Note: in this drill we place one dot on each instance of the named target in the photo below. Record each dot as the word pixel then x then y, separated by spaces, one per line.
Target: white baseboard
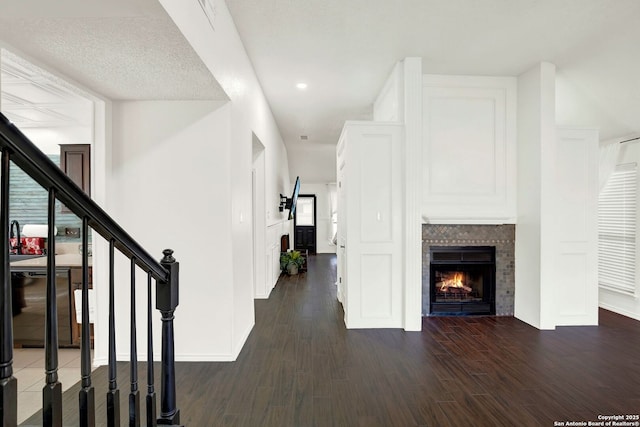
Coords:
pixel 618 310
pixel 185 357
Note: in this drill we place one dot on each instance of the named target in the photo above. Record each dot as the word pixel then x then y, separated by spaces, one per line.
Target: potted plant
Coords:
pixel 291 262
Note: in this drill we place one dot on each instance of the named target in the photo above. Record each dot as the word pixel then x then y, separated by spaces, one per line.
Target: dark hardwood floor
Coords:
pixel 301 367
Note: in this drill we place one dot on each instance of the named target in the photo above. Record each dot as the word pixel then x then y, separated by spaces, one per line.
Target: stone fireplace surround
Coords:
pixel 500 236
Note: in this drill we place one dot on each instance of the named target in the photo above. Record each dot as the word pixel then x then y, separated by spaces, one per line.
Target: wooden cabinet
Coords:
pixel 370 282
pixel 75 161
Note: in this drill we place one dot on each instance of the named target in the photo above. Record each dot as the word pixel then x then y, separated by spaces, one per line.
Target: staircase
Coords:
pixel 17 148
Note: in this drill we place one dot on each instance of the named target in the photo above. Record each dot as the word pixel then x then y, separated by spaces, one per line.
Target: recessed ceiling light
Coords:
pixel 301 86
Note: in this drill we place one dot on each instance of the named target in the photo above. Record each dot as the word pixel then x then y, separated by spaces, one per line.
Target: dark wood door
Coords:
pixel 305 223
pixel 75 161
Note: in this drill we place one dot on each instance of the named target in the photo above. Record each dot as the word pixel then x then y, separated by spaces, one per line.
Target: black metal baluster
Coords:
pixel 151 393
pixel 17 149
pixel 166 302
pixel 113 395
pixel 8 383
pixel 134 396
pixel 86 395
pixel 52 391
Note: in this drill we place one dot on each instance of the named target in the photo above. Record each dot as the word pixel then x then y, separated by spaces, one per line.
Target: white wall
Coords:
pixel 469 150
pixel 388 106
pixel 536 138
pixel 223 53
pixel 170 188
pixel 555 257
pixel 308 162
pixel 614 301
pixel 230 130
pixel 527 276
pixel 323 215
pixel 259 219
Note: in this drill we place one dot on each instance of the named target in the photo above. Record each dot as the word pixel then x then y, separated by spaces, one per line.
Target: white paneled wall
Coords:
pixel 576 260
pixel 488 154
pixel 556 232
pixel 370 215
pixel 400 100
pixel 274 233
pixel 469 148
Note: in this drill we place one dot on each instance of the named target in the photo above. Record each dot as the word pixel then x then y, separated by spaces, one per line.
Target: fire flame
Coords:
pixel 454 281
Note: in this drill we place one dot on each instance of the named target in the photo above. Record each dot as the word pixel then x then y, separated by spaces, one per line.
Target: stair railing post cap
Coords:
pixel 168 256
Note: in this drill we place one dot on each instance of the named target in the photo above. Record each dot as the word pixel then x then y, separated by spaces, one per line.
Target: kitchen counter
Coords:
pixel 28 278
pixel 62 261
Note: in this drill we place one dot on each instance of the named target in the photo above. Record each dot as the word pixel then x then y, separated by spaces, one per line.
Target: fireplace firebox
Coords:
pixel 462 280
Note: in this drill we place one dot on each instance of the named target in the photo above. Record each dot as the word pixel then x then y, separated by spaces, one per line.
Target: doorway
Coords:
pixel 304 223
pixel 51 112
pixel 261 287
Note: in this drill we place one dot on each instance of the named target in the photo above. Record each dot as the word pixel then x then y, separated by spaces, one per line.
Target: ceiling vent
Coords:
pixel 304 137
pixel 209 11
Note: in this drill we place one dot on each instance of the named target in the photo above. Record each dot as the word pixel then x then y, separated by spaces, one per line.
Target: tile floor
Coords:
pixel 28 368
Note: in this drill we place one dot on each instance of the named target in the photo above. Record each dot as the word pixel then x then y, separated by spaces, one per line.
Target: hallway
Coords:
pixel 301 367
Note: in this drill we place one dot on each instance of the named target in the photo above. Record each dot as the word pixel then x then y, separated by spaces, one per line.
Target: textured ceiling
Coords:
pixel 33 98
pixel 124 50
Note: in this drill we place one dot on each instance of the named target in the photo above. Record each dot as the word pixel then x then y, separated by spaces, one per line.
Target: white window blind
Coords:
pixel 617 208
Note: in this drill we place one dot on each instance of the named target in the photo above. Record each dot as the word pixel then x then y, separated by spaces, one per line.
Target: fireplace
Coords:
pixel 462 280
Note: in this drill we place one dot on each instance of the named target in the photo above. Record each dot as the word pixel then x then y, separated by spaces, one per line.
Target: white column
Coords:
pixel 412 71
pixel 534 298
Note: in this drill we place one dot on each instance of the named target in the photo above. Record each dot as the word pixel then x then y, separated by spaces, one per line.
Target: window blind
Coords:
pixel 617 211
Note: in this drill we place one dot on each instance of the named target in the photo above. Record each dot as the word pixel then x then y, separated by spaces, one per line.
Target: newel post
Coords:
pixel 166 302
pixel 8 383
